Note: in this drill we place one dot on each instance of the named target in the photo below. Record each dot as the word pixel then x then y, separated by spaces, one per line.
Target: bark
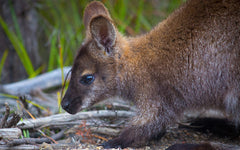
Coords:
pixel 43 81
pixel 10 133
pixel 66 118
pixel 37 146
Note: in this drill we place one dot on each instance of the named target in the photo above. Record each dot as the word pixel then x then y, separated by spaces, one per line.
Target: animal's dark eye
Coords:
pixel 87 79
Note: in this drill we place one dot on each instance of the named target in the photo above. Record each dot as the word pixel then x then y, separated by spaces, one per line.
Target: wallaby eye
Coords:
pixel 87 79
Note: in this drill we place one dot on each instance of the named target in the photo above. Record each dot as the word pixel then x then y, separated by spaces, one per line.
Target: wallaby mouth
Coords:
pixel 71 105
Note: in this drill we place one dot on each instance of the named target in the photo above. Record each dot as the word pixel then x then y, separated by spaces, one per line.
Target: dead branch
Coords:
pixel 14 119
pixel 10 133
pixel 44 81
pixel 15 142
pixel 66 118
pixel 5 117
pixel 105 131
pixel 11 102
pixel 109 130
pixel 58 146
pixel 37 147
pixel 23 101
pixel 21 147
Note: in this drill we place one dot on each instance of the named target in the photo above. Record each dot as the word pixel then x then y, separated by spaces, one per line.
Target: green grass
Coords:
pixel 63 28
pixel 63 25
pixel 19 48
pixel 26 133
pixel 3 59
pixel 28 101
pixel 15 22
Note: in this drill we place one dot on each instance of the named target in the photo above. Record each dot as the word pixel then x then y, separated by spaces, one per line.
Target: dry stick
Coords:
pixel 105 131
pixel 15 142
pixel 24 102
pixel 43 81
pixel 99 137
pixel 10 133
pixel 5 117
pixel 64 83
pixel 43 134
pixel 13 121
pixel 37 147
pixel 66 118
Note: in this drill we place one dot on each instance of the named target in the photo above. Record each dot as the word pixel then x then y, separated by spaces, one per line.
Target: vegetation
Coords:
pixel 63 30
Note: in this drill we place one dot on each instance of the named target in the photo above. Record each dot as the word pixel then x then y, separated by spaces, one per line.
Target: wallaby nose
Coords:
pixel 65 105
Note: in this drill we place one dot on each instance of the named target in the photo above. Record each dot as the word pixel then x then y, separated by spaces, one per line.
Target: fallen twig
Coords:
pixel 105 131
pixel 99 137
pixel 15 142
pixel 43 134
pixel 66 118
pixel 23 101
pixel 10 133
pixel 11 102
pixel 5 117
pixel 37 147
pixel 14 119
pixel 43 81
pixel 20 147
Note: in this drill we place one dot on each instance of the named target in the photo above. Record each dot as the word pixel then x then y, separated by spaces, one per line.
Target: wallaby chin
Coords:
pixel 73 112
pixel 190 61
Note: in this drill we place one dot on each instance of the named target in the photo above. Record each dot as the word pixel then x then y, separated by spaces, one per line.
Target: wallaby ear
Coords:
pixel 99 26
pixel 93 10
pixel 103 32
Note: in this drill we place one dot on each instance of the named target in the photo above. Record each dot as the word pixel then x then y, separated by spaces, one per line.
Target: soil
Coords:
pixel 176 134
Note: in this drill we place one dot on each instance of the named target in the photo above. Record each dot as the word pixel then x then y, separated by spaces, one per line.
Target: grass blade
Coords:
pixel 59 102
pixel 4 57
pixel 139 14
pixel 15 22
pixel 53 51
pixel 19 48
pixel 28 101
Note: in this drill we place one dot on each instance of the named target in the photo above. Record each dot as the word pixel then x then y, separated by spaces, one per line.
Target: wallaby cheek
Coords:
pixel 92 96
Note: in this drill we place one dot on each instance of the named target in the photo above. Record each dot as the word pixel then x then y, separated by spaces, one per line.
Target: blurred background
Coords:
pixel 37 36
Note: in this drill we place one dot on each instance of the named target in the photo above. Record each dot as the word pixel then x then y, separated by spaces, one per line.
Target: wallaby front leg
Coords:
pixel 149 124
pixel 135 136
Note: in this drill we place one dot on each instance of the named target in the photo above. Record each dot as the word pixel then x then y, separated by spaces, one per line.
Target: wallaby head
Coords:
pixel 94 69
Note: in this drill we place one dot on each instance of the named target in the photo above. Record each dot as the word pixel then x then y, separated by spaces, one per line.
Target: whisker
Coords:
pixel 63 87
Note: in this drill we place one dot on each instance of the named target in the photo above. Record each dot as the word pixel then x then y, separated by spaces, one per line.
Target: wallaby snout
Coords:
pixel 71 105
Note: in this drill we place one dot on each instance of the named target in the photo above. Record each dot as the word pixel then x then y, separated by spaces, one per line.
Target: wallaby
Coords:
pixel 191 60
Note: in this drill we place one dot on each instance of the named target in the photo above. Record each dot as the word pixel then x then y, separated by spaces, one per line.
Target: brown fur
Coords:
pixel 188 61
